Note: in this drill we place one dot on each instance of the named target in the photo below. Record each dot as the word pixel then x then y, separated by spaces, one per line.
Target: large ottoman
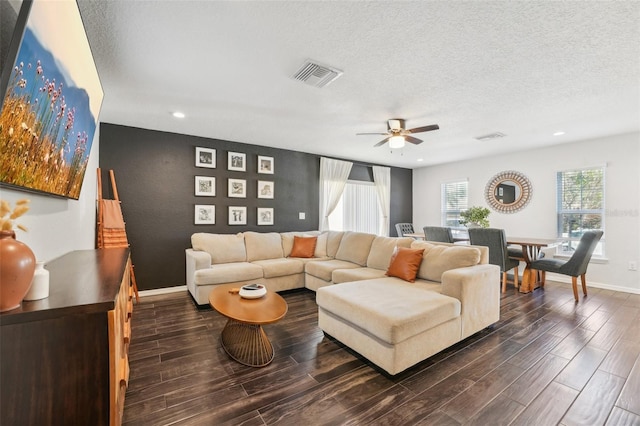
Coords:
pixel 393 323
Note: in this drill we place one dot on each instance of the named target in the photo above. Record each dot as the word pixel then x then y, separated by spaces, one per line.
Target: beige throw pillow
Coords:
pixel 263 245
pixel 437 259
pixel 382 249
pixel 223 248
pixel 355 247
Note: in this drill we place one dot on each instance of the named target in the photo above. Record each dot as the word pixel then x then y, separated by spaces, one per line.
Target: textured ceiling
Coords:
pixel 526 69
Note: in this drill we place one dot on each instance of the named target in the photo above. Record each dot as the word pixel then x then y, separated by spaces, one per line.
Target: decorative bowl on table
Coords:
pixel 252 291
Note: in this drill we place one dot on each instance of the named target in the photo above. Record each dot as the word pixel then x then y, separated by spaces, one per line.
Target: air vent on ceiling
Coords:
pixel 315 74
pixel 496 135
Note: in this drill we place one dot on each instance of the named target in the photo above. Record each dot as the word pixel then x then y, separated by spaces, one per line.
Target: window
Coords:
pixel 454 200
pixel 358 209
pixel 580 207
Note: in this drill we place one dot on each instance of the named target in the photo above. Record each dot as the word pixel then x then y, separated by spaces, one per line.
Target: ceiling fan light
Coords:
pixel 396 142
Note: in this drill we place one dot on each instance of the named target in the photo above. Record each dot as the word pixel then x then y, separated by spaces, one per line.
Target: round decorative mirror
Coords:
pixel 508 192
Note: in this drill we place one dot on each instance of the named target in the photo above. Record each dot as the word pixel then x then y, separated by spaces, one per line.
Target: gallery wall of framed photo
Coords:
pixel 161 180
pixel 236 188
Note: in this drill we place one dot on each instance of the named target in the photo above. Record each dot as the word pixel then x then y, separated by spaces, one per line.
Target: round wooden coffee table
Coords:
pixel 243 337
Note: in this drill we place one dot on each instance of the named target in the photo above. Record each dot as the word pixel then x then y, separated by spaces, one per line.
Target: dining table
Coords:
pixel 531 248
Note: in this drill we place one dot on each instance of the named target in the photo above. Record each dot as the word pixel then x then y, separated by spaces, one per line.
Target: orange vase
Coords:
pixel 17 264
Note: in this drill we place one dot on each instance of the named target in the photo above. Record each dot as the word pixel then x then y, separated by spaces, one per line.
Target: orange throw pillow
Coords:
pixel 303 246
pixel 405 263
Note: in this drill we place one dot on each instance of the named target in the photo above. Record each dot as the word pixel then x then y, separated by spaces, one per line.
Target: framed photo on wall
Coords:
pixel 237 188
pixel 265 189
pixel 265 164
pixel 237 215
pixel 205 186
pixel 205 214
pixel 265 216
pixel 205 157
pixel 237 161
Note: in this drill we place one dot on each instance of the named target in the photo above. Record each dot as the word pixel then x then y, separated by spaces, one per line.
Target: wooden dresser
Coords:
pixel 63 359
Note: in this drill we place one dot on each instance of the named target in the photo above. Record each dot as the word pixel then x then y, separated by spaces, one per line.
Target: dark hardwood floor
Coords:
pixel 547 361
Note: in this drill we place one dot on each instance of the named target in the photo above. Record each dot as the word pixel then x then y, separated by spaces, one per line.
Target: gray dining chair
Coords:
pixel 496 240
pixel 577 264
pixel 438 233
pixel 404 228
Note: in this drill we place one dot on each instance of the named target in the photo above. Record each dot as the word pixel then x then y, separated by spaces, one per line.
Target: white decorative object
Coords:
pixel 252 291
pixel 40 284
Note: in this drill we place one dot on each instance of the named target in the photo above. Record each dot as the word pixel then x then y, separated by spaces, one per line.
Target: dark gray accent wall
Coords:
pixel 155 176
pixel 401 198
pixel 8 18
pixel 8 22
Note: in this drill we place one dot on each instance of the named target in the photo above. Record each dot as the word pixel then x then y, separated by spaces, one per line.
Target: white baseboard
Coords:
pixel 165 290
pixel 567 279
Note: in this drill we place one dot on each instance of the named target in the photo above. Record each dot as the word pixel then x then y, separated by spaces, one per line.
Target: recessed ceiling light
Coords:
pixel 558 134
pixel 178 114
pixel 420 159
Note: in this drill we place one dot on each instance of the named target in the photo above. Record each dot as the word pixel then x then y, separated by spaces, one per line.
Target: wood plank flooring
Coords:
pixel 548 361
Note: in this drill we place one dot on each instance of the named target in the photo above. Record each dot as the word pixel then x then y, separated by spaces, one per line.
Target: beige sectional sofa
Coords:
pixel 391 322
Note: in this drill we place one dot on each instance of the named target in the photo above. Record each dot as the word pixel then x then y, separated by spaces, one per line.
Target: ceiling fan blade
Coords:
pixel 383 134
pixel 412 140
pixel 423 129
pixel 382 142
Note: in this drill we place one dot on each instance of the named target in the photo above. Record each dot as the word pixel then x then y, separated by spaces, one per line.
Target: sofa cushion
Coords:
pixel 333 242
pixel 405 263
pixel 304 246
pixel 263 245
pixel 388 308
pixel 324 268
pixel 280 267
pixel 321 245
pixel 355 247
pixel 228 273
pixel 382 249
pixel 357 274
pixel 437 259
pixel 223 248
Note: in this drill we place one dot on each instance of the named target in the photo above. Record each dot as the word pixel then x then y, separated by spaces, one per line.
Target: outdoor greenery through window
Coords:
pixel 454 200
pixel 358 209
pixel 580 207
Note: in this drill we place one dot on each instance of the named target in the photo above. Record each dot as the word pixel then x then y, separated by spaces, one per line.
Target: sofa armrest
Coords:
pixel 478 290
pixel 196 259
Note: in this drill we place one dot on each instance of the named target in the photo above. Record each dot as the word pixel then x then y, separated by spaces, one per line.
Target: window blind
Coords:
pixel 580 205
pixel 453 201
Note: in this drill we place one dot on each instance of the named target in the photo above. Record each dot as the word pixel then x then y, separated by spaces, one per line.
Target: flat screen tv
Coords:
pixel 50 101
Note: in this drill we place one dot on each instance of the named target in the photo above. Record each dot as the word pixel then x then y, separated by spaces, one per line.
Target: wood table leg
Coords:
pixel 528 280
pixel 529 276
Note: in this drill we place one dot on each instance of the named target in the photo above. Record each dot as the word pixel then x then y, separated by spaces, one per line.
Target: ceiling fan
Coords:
pixel 397 135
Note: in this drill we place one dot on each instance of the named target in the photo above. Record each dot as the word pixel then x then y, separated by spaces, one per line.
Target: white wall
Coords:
pixel 58 225
pixel 620 153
